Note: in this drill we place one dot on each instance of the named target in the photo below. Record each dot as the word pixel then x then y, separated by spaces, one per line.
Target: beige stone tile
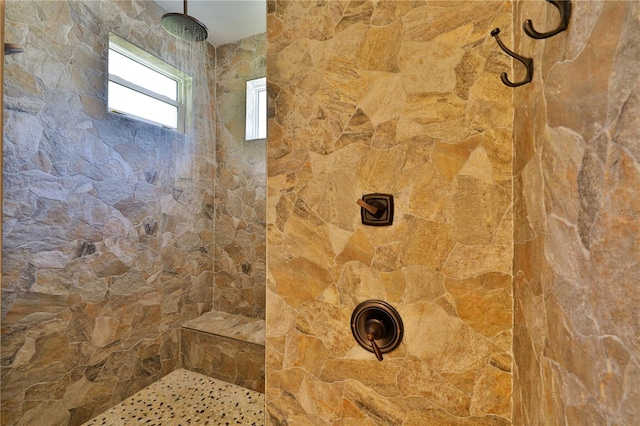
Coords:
pixel 228 325
pixel 378 122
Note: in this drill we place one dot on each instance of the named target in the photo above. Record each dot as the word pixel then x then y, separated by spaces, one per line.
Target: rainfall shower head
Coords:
pixel 184 26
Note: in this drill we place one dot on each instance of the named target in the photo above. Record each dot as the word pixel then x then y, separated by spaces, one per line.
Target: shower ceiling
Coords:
pixel 227 20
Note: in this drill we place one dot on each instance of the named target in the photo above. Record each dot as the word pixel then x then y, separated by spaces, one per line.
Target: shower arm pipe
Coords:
pixel 527 62
pixel 11 48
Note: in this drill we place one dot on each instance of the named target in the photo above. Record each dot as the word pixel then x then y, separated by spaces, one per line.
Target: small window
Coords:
pixel 145 88
pixel 256 124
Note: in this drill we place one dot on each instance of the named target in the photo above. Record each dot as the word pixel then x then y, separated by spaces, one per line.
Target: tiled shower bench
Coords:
pixel 226 347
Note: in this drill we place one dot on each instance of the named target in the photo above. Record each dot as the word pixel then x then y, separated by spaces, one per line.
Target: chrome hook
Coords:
pixel 527 62
pixel 564 6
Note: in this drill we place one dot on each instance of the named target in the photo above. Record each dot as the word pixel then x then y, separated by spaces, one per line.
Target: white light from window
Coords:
pixel 140 105
pixel 140 75
pixel 256 120
pixel 144 87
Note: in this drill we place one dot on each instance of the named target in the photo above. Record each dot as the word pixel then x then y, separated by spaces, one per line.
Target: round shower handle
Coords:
pixel 377 327
pixel 375 330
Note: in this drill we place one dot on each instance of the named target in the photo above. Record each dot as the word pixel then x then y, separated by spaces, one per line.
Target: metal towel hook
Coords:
pixel 564 6
pixel 527 62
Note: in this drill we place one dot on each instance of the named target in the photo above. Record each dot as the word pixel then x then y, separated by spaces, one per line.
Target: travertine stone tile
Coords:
pixel 483 302
pixel 108 243
pixel 402 98
pixel 235 327
pixel 240 185
pixel 223 358
pixel 577 220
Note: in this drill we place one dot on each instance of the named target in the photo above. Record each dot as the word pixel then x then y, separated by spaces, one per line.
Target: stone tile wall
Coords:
pixel 402 98
pixel 108 223
pixel 240 242
pixel 577 218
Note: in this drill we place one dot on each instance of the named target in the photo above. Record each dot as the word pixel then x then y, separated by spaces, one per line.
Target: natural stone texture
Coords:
pixel 436 60
pixel 589 119
pixel 450 158
pixel 369 99
pixel 307 236
pixel 429 192
pixel 438 345
pixel 324 320
pixel 333 190
pixel 417 378
pixel 239 204
pixel 356 12
pixel 230 359
pixel 490 203
pixel 561 163
pixel 372 170
pixel 486 106
pixel 467 261
pixel 360 370
pixel 576 222
pixel 236 327
pixel 105 331
pixel 483 302
pixel 422 237
pixel 299 280
pixel 497 145
pixel 497 388
pixel 106 230
pixel 359 282
pixel 303 350
pixel 420 284
pixel 359 129
pixel 358 248
pixel 377 408
pixel 377 51
pixel 387 87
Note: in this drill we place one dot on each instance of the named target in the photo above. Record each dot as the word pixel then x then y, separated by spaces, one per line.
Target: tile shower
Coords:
pixel 405 98
pixel 397 97
pixel 109 244
pixel 401 98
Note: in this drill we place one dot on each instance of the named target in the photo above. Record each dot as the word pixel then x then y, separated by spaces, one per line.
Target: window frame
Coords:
pixel 183 101
pixel 252 120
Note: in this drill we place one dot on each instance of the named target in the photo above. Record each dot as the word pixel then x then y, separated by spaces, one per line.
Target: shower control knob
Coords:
pixel 377 327
pixel 375 330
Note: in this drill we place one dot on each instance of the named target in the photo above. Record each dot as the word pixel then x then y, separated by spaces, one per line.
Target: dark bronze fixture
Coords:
pixel 375 330
pixel 377 327
pixel 11 48
pixel 376 209
pixel 527 62
pixel 564 6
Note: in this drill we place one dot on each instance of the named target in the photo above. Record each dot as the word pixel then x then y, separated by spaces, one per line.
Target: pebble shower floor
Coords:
pixel 186 398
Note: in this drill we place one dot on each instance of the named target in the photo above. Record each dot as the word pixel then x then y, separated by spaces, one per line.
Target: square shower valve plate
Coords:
pixel 384 217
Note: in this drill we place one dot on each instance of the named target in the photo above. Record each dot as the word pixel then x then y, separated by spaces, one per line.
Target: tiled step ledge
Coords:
pixel 228 325
pixel 226 347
